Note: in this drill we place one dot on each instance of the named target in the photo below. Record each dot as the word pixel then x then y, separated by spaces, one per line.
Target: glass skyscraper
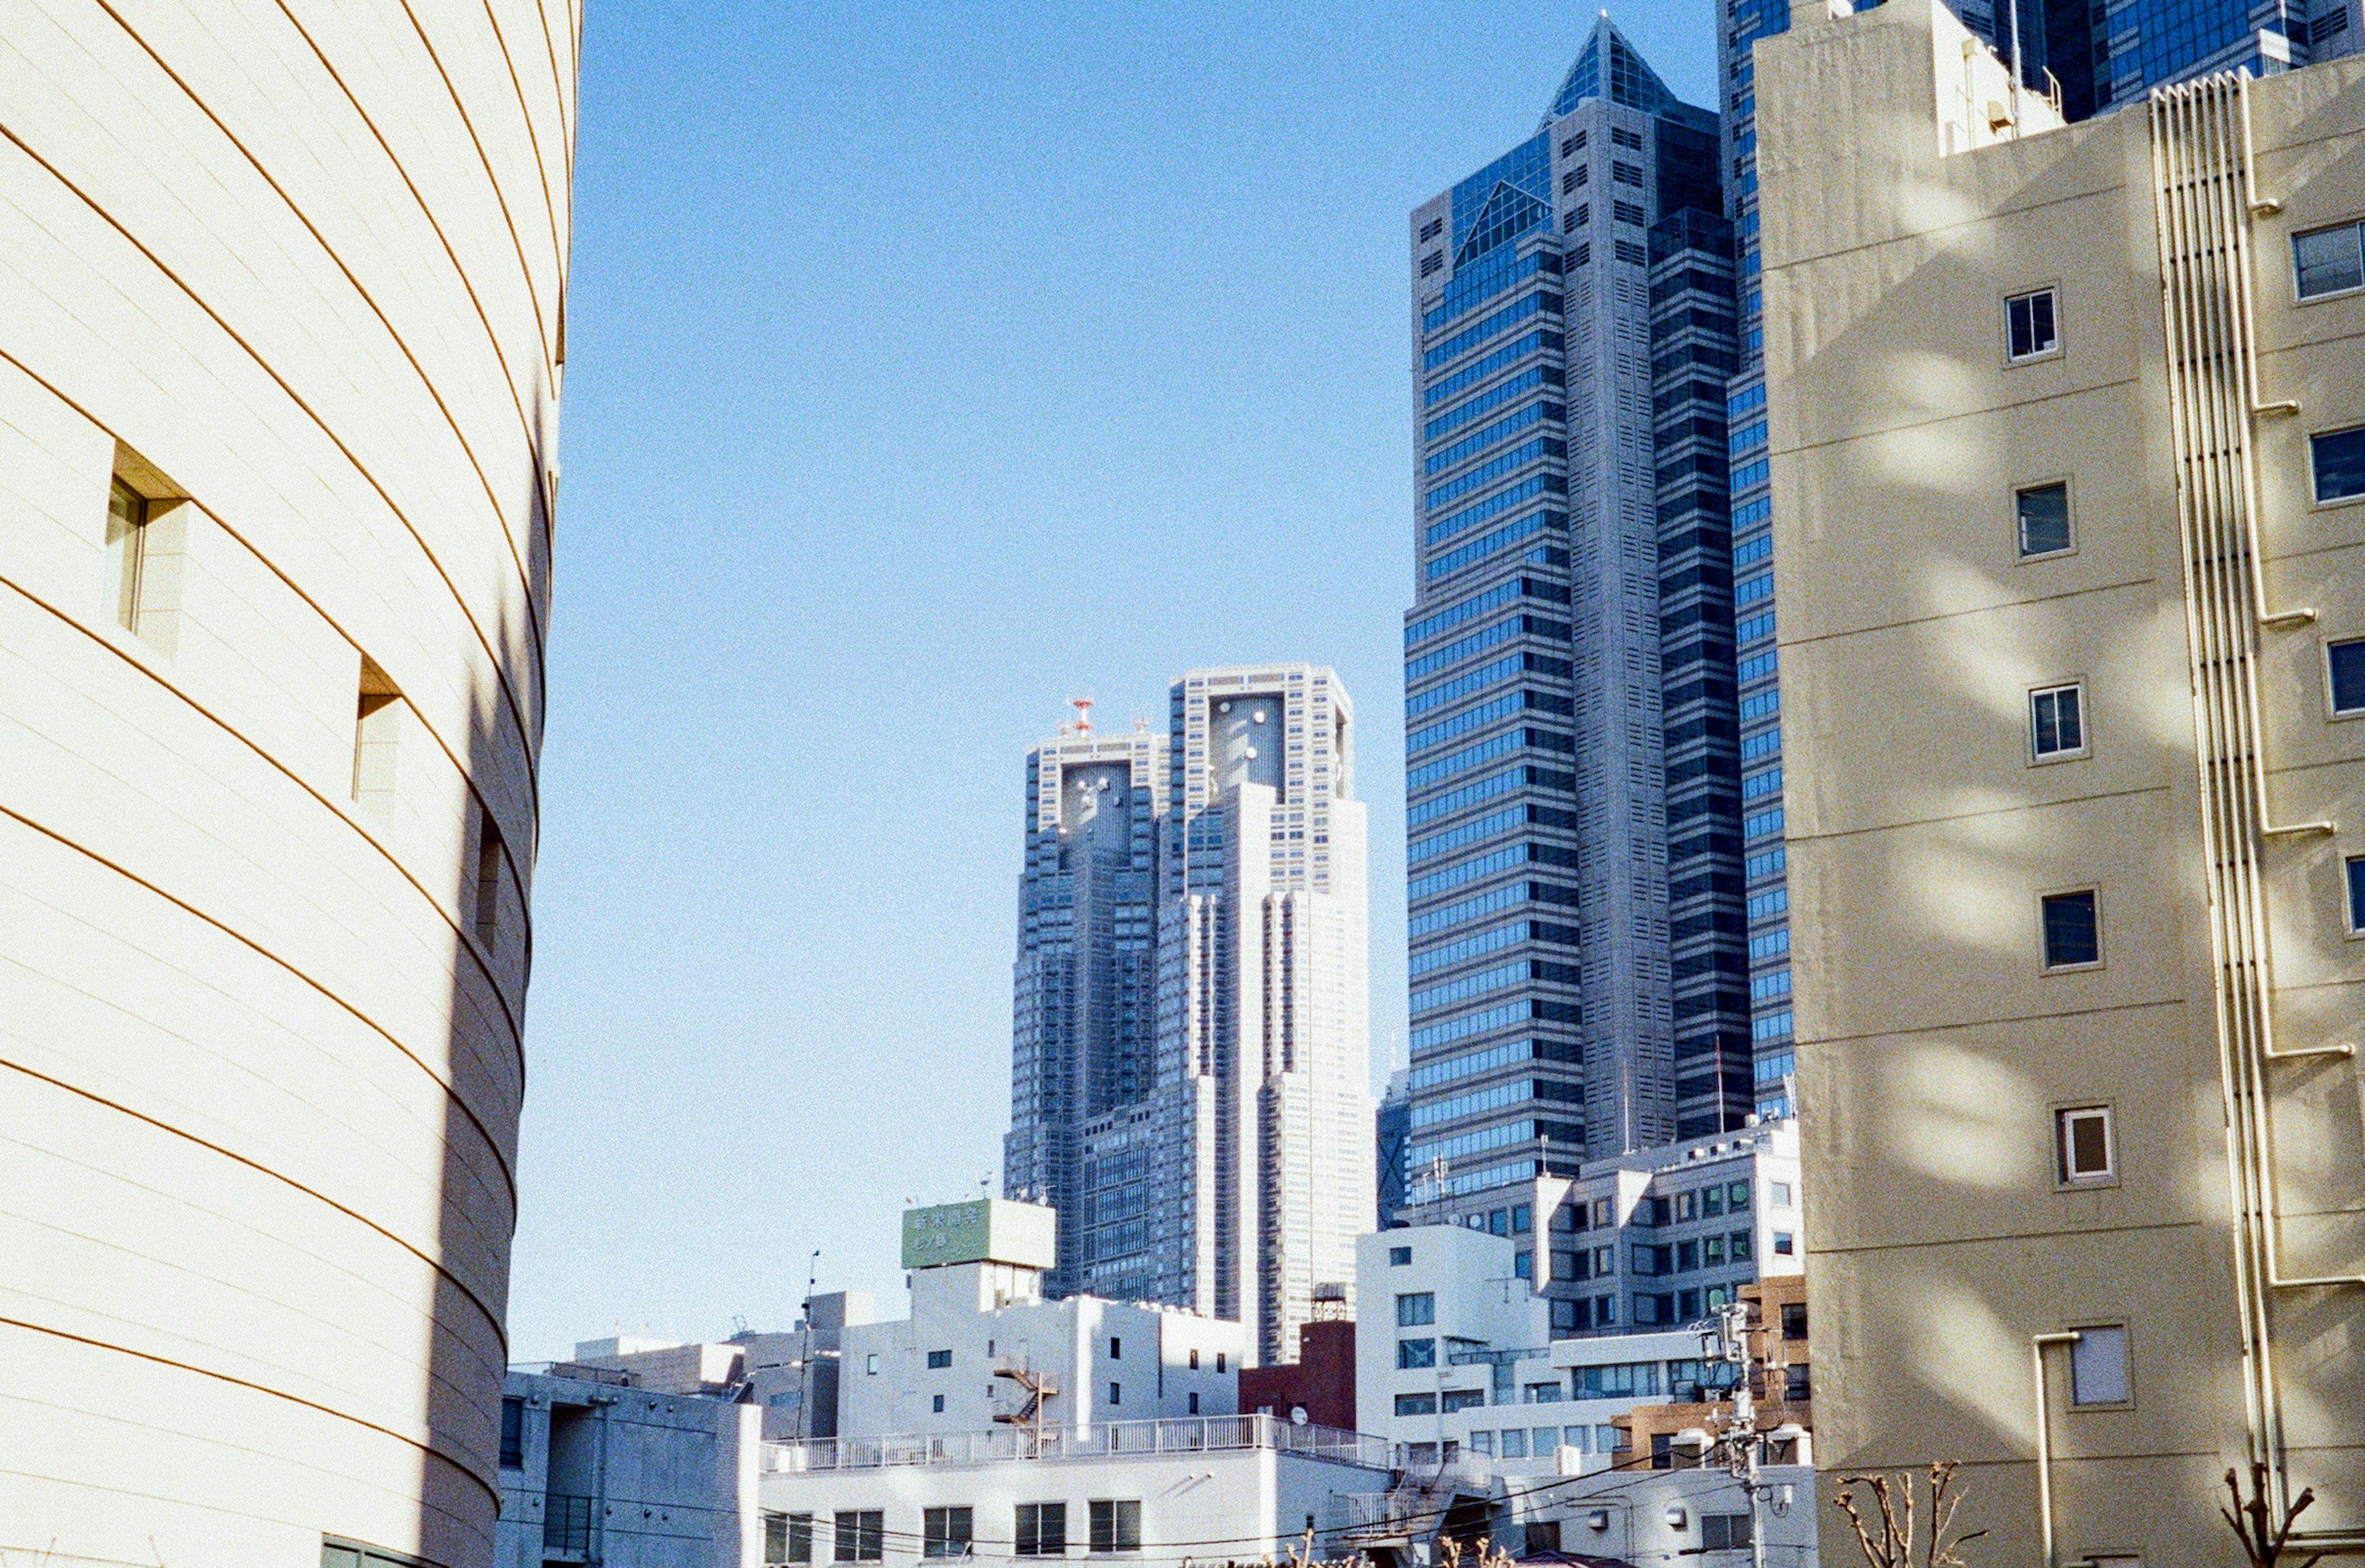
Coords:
pixel 1572 785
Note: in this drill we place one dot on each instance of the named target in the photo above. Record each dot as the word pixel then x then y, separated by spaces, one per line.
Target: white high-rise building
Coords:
pixel 1214 913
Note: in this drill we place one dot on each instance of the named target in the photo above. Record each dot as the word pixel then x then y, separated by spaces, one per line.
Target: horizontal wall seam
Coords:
pixel 1881 1035
pixel 2157 1227
pixel 526 734
pixel 1911 823
pixel 534 617
pixel 427 1448
pixel 451 1091
pixel 467 774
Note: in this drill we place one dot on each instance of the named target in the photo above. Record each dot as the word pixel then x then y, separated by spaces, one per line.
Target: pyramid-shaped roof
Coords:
pixel 1609 64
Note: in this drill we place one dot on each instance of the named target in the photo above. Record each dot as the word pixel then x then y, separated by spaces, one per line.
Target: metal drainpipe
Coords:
pixel 2043 1445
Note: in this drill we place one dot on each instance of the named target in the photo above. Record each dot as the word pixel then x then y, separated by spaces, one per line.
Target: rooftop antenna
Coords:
pixel 1083 707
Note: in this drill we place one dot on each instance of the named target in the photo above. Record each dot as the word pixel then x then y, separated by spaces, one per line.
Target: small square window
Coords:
pixel 1515 1442
pixel 2337 461
pixel 1042 1530
pixel 1780 1191
pixel 2356 893
pixel 945 1532
pixel 2346 662
pixel 2097 1367
pixel 1415 1308
pixel 938 1359
pixel 2056 722
pixel 2043 512
pixel 2083 1151
pixel 2030 331
pixel 2329 261
pixel 1412 1354
pixel 2073 935
pixel 1116 1526
pixel 1399 1256
pixel 1785 1245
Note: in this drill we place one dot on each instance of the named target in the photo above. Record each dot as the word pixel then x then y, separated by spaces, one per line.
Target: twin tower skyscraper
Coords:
pixel 1191 1045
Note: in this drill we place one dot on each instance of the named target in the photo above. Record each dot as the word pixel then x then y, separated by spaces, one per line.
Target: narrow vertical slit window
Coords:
pixel 377 715
pixel 127 550
pixel 489 880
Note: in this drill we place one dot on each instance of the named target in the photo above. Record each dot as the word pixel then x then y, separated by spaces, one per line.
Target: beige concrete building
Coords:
pixel 280 329
pixel 2071 483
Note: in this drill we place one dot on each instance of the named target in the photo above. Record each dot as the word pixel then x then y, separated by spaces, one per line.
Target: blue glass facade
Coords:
pixel 1568 557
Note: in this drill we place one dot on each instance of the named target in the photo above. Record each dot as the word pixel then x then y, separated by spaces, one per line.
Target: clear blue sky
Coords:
pixel 930 366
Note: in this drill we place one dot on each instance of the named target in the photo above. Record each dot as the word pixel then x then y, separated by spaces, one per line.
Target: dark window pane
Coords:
pixel 2347 661
pixel 2357 894
pixel 2089 1145
pixel 2044 519
pixel 2070 933
pixel 2329 261
pixel 2340 462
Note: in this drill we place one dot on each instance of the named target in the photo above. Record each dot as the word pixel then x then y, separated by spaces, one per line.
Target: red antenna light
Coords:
pixel 1083 707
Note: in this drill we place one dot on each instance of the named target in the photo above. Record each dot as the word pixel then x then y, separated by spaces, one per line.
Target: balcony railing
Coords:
pixel 565 1523
pixel 1114 1439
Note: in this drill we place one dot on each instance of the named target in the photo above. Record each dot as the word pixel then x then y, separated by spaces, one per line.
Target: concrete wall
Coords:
pixel 657 1480
pixel 294 274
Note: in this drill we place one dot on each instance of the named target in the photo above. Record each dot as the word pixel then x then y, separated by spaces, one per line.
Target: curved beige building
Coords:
pixel 280 329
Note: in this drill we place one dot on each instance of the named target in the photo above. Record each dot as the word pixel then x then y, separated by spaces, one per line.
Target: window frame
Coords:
pixel 1105 1525
pixel 2127 1369
pixel 1416 1309
pixel 2315 494
pixel 1030 1539
pixel 2043 954
pixel 937 1530
pixel 2356 227
pixel 2352 893
pixel 2333 710
pixel 2085 746
pixel 2037 355
pixel 2021 554
pixel 865 1542
pixel 2063 1179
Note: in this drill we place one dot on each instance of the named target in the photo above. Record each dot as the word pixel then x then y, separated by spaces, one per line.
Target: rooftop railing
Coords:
pixel 1113 1440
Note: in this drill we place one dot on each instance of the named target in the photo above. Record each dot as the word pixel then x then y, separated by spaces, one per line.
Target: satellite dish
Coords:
pixel 1297 1415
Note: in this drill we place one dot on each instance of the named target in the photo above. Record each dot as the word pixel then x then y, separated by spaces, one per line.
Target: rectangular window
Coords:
pixel 1397 1257
pixel 871 1364
pixel 2337 458
pixel 1726 1533
pixel 1431 263
pixel 800 1538
pixel 940 1359
pixel 2072 929
pixel 1413 1353
pixel 1117 1349
pixel 513 1433
pixel 1116 1394
pixel 2356 893
pixel 1415 1403
pixel 2097 1367
pixel 1463 1399
pixel 1794 1320
pixel 2329 260
pixel 1416 1309
pixel 938 1405
pixel 861 1535
pixel 2345 662
pixel 127 550
pixel 1742 1246
pixel 1042 1530
pixel 377 714
pixel 1523 1265
pixel 1515 1442
pixel 489 879
pixel 2030 331
pixel 1194 1403
pixel 1798 1384
pixel 1736 1196
pixel 2056 725
pixel 1780 1191
pixel 2083 1145
pixel 945 1532
pixel 1785 1245
pixel 1117 1525
pixel 2044 514
pixel 1219 1361
pixel 1194 1360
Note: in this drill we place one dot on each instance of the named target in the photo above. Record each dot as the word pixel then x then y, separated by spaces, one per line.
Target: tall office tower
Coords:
pixel 1558 577
pixel 2069 459
pixel 280 339
pixel 1082 1043
pixel 1191 1062
pixel 1264 1030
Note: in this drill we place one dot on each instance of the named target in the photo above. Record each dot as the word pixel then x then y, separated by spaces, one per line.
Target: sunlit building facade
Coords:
pixel 280 339
pixel 2069 467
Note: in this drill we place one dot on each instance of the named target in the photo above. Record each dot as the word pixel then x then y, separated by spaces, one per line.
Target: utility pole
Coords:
pixel 1743 1448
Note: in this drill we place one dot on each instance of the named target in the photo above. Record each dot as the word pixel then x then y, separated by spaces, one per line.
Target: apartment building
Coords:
pixel 2068 460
